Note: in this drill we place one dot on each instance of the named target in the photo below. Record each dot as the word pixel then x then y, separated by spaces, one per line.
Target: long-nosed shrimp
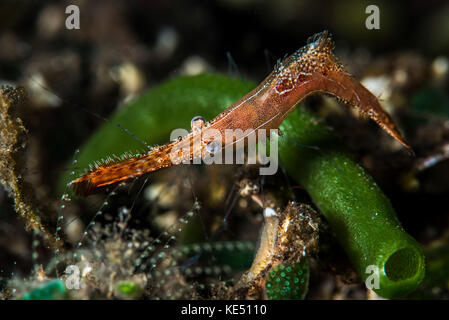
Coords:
pixel 311 69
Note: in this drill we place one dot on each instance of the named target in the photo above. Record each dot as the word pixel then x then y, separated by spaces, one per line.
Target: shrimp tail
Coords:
pixel 102 175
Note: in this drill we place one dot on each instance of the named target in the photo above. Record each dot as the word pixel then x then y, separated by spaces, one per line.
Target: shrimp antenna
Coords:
pixel 98 116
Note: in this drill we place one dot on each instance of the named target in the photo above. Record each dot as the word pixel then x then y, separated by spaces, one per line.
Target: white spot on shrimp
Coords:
pixel 213 147
pixel 269 212
pixel 197 123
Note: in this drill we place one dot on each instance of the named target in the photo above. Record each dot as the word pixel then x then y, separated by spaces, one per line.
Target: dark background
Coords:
pixel 163 39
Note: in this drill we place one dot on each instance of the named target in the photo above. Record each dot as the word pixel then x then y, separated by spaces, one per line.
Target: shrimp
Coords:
pixel 311 69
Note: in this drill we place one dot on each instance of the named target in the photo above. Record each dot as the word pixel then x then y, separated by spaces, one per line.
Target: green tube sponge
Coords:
pixel 360 214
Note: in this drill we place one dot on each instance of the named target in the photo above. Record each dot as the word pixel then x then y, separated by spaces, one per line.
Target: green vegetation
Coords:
pixel 289 282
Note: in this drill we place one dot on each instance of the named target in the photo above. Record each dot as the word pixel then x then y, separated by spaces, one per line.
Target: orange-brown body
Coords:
pixel 311 69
